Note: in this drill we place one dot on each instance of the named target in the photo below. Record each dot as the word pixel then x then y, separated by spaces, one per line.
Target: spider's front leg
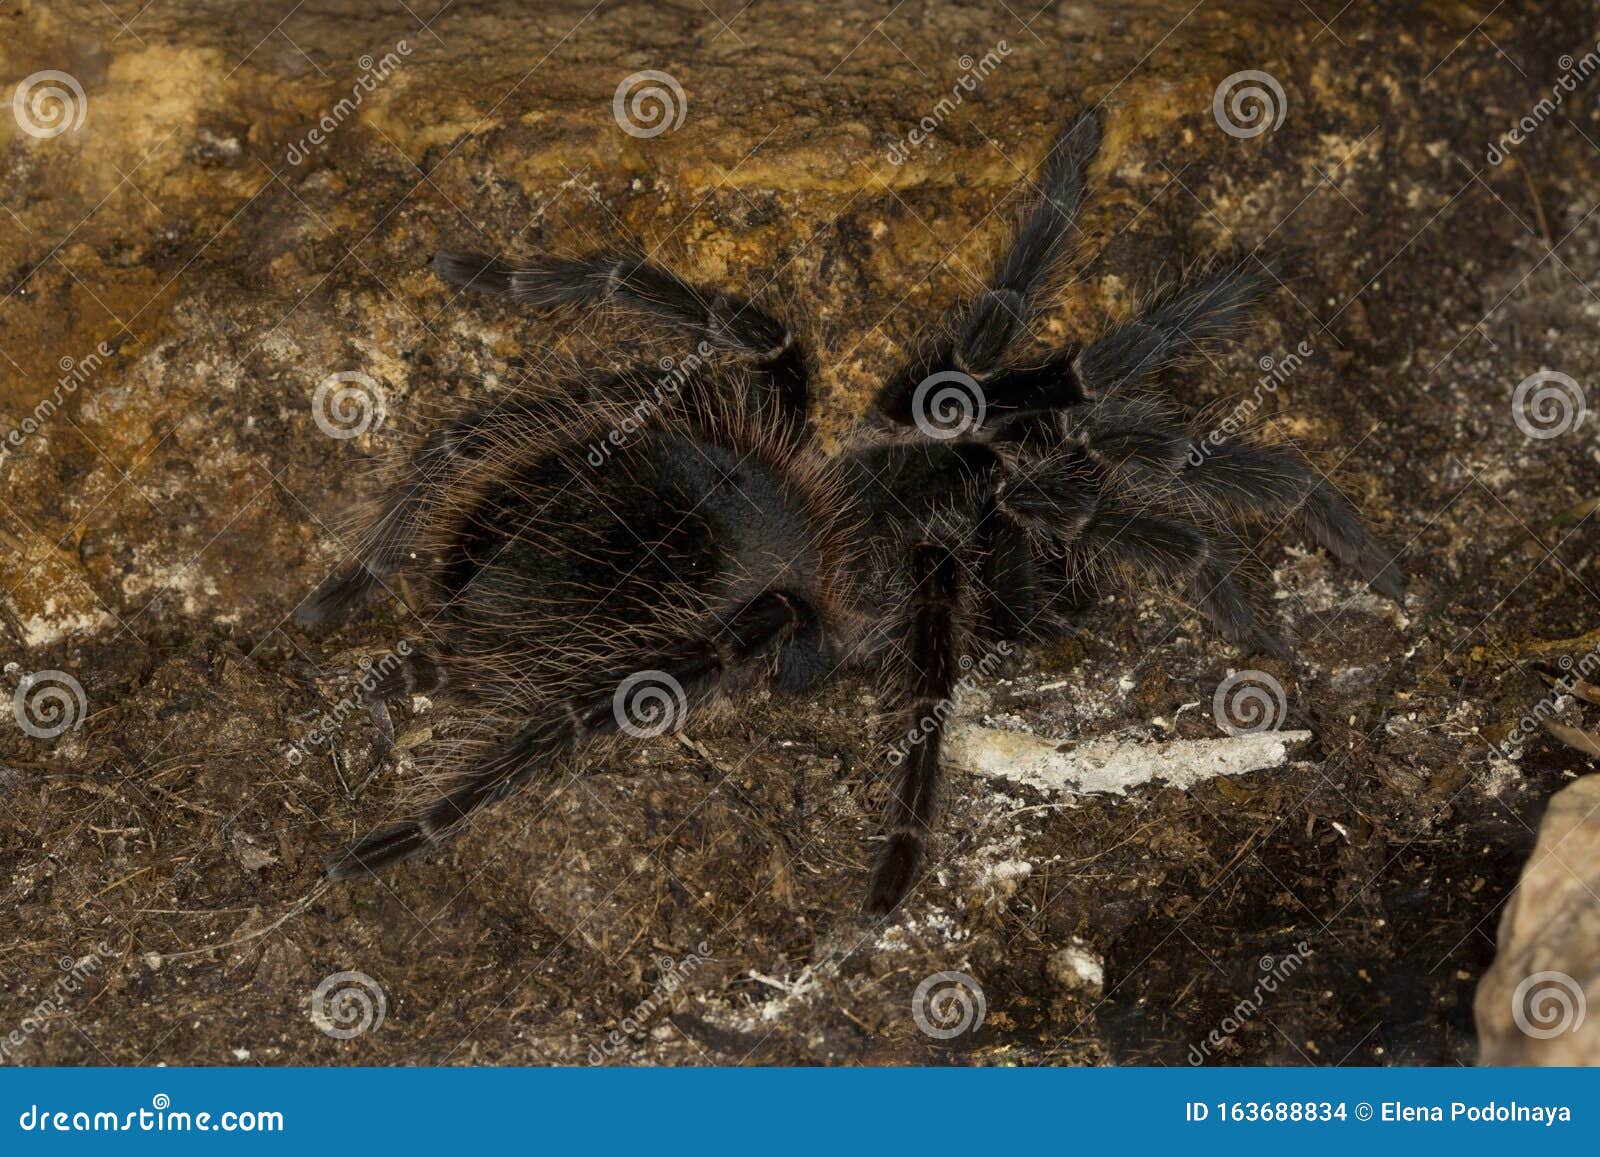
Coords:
pixel 1148 458
pixel 930 666
pixel 1235 478
pixel 1063 500
pixel 989 328
pixel 1195 563
pixel 975 368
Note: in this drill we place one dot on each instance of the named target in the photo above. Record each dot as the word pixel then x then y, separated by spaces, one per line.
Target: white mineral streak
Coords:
pixel 1110 765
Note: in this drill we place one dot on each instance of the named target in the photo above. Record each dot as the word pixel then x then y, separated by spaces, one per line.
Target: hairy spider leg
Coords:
pixel 728 323
pixel 996 320
pixel 931 640
pixel 699 668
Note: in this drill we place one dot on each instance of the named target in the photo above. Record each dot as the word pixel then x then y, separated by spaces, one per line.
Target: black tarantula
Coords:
pixel 598 562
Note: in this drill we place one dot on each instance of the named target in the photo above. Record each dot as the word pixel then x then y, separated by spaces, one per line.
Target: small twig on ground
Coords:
pixel 295 909
pixel 115 884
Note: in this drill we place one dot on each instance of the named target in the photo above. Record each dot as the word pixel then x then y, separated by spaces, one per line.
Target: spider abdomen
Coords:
pixel 540 556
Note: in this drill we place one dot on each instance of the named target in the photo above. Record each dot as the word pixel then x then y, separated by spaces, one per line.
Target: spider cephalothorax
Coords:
pixel 596 562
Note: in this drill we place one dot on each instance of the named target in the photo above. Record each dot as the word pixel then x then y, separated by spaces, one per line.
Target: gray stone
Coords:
pixel 1536 1004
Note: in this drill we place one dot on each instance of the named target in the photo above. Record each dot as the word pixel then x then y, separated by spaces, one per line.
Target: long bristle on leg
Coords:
pixel 698 669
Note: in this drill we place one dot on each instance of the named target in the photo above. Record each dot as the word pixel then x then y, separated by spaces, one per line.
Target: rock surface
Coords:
pixel 1540 1003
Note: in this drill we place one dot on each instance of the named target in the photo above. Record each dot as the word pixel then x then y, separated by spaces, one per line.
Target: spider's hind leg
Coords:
pixel 682 676
pixel 721 322
pixel 932 636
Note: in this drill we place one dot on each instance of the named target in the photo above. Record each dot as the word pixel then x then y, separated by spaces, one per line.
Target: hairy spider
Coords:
pixel 601 561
